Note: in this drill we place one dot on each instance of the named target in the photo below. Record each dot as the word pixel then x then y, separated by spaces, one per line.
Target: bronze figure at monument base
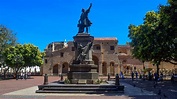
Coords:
pixel 83 69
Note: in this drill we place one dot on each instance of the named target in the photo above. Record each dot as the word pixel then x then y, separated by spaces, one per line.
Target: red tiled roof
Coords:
pixel 113 38
pixel 124 46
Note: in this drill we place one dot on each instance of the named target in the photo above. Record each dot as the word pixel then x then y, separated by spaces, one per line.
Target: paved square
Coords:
pixel 25 89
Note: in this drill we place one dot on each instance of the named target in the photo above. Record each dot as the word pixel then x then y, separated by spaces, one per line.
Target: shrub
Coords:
pixel 67 81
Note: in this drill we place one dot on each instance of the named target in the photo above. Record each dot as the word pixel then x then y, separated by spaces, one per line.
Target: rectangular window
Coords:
pixel 97 47
pixel 111 47
pixel 73 49
pixel 61 54
pixel 46 61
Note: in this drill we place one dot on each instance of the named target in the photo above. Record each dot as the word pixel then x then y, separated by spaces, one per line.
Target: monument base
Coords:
pixel 83 73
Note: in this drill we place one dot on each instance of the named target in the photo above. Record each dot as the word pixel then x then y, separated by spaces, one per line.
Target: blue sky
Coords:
pixel 41 22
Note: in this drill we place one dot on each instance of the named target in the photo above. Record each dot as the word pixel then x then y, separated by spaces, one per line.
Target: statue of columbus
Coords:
pixel 84 22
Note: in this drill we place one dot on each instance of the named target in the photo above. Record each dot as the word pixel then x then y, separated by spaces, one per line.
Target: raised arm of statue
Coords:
pixel 88 10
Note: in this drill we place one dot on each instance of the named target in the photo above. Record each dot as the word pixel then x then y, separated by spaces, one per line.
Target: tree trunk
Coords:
pixel 157 69
pixel 16 74
pixel 143 66
pixel 5 72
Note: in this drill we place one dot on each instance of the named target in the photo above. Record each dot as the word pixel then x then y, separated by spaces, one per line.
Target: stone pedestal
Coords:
pixel 83 70
pixel 83 39
pixel 83 73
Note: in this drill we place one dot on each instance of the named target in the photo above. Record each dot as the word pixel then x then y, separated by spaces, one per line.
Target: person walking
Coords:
pixel 132 74
pixel 136 75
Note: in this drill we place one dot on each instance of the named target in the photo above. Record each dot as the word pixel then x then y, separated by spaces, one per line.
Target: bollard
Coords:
pixel 61 77
pixel 117 80
pixel 45 79
pixel 108 77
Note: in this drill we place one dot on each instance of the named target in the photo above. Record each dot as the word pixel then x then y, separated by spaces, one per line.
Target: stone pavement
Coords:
pixel 163 89
pixel 25 89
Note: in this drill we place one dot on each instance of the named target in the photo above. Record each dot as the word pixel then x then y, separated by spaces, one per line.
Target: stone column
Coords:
pixel 53 46
pixel 116 69
pixel 90 55
pixel 60 68
pixel 108 69
pixel 100 68
pixel 51 70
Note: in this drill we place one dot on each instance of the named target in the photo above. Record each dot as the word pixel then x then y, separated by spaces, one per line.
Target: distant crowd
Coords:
pixel 149 76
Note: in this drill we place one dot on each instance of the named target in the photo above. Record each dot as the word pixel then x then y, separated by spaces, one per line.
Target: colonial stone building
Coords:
pixel 128 63
pixel 60 54
pixel 107 54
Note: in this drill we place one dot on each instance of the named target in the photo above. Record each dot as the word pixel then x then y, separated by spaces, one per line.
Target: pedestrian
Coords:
pixel 25 76
pixel 149 75
pixel 121 75
pixel 156 77
pixel 136 75
pixel 132 74
pixel 140 76
pixel 21 75
pixel 161 77
pixel 172 78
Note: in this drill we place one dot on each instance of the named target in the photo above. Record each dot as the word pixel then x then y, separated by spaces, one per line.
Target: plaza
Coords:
pixel 110 52
pixel 25 89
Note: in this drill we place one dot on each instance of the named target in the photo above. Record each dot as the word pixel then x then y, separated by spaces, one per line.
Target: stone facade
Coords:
pixel 60 54
pixel 107 54
pixel 129 64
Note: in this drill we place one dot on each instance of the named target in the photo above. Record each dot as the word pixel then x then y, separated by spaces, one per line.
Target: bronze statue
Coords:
pixel 84 22
pixel 83 51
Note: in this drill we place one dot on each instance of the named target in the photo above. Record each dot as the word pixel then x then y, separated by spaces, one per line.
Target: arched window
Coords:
pixel 97 47
pixel 57 47
pixel 50 46
pixel 111 63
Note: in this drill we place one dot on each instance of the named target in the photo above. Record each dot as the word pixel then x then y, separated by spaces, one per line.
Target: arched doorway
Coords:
pixel 65 67
pixel 96 61
pixel 55 69
pixel 112 71
pixel 104 68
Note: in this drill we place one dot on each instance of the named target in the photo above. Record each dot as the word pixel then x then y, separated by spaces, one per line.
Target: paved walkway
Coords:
pixel 163 89
pixel 25 89
pixel 129 91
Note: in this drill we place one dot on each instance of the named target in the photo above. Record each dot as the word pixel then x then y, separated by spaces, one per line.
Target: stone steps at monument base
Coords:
pixel 79 85
pixel 80 88
pixel 86 92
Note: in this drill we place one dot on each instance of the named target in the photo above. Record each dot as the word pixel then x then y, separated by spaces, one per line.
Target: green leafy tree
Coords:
pixel 14 57
pixel 146 39
pixel 168 23
pixel 7 38
pixel 156 35
pixel 20 56
pixel 32 55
